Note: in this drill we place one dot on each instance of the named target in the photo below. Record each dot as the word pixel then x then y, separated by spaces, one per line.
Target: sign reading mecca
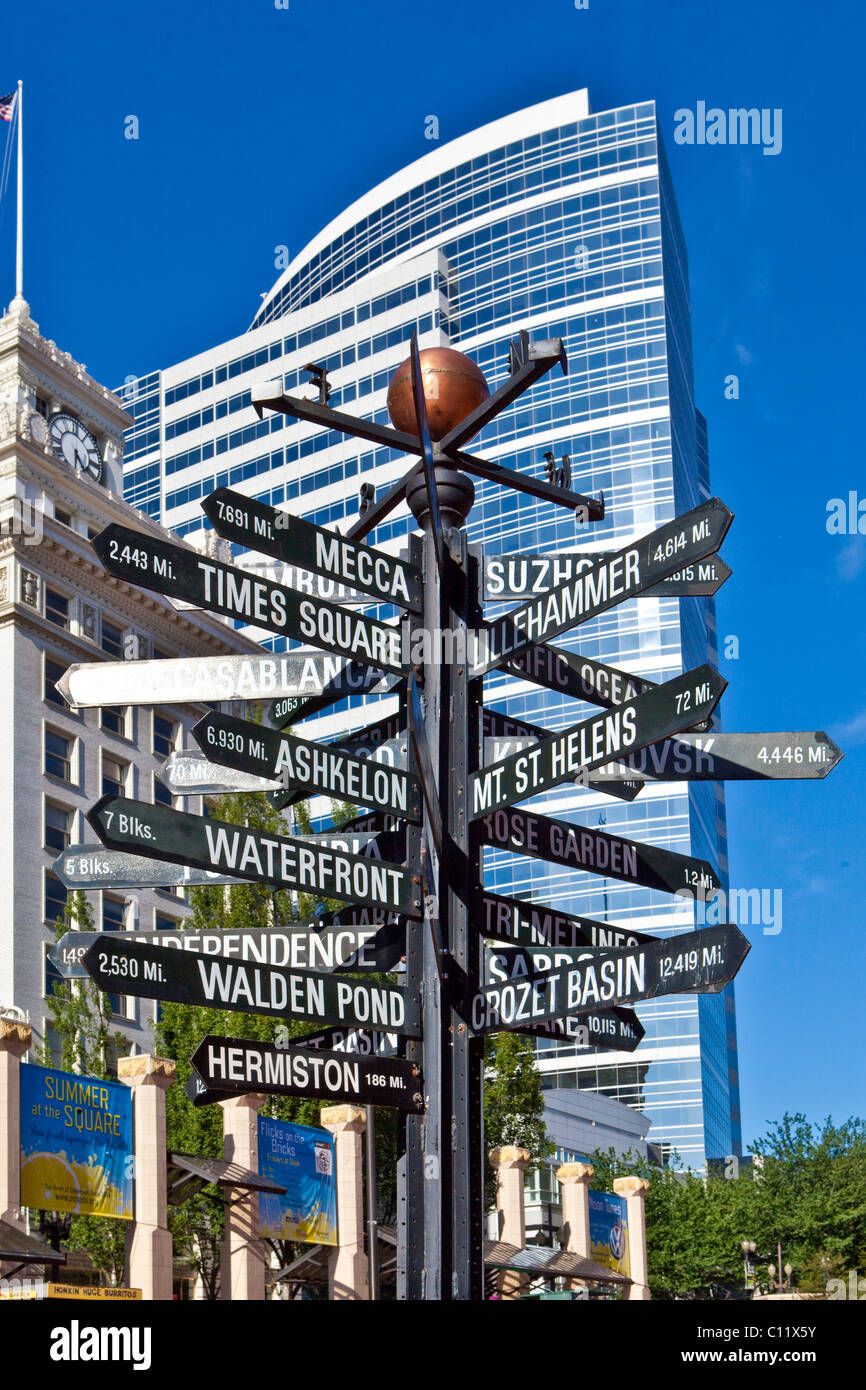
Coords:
pixel 76 1144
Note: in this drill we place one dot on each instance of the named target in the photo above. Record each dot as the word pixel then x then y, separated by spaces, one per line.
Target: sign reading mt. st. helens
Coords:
pixel 595 851
pixel 622 575
pixel 186 977
pixel 319 768
pixel 508 577
pixel 180 572
pixel 628 727
pixel 299 679
pixel 248 522
pixel 237 1065
pixel 282 860
pixel 526 985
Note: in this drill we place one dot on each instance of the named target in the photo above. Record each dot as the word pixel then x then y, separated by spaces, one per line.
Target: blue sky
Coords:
pixel 258 124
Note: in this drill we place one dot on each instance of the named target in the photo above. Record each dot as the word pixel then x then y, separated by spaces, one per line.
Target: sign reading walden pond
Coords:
pixel 301 1160
pixel 76 1144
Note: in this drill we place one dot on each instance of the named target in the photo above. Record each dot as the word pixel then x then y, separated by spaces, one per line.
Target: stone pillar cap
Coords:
pixel 575 1172
pixel 343 1117
pixel 14 1036
pixel 146 1064
pixel 509 1156
pixel 631 1187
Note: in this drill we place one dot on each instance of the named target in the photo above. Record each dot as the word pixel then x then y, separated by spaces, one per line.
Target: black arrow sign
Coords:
pixel 318 768
pixel 238 1065
pixel 533 924
pixel 181 573
pixel 623 575
pixel 731 757
pixel 281 860
pixel 610 1030
pixel 352 679
pixel 508 577
pixel 642 720
pixel 528 987
pixel 596 852
pixel 187 977
pixel 299 542
pixel 368 1042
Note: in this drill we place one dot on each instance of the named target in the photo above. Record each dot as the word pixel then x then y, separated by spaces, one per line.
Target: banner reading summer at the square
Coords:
pixel 76 1144
pixel 301 1159
pixel 608 1231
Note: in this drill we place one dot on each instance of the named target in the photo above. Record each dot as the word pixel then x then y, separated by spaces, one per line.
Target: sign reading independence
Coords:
pixel 237 1065
pixel 508 577
pixel 186 977
pixel 611 1030
pixel 181 573
pixel 316 947
pixel 294 677
pixel 623 575
pixel 561 842
pixel 299 542
pixel 731 758
pixel 281 860
pixel 643 720
pixel 703 960
pixel 318 768
pixel 532 924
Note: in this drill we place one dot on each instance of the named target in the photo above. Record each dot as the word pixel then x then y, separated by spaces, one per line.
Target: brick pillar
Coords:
pixel 151 1250
pixel 348 1271
pixel 14 1042
pixel 511 1163
pixel 635 1190
pixel 243 1263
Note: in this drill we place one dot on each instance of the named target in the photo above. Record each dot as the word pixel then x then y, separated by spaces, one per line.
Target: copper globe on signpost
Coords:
pixel 453 387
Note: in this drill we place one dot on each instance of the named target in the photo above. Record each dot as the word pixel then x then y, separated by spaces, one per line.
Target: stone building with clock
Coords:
pixel 61 441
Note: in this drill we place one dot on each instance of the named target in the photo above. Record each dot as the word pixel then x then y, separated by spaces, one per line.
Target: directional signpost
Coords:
pixel 431 791
pixel 237 1066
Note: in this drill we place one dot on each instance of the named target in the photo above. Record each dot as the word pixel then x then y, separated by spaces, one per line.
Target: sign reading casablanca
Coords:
pixel 76 1144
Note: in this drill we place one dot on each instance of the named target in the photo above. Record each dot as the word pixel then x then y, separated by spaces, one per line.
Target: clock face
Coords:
pixel 75 445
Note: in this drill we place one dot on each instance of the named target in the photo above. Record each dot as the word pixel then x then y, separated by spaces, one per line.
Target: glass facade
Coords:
pixel 571 231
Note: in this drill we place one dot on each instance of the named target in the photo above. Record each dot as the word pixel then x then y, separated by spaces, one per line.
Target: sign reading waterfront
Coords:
pixel 76 1143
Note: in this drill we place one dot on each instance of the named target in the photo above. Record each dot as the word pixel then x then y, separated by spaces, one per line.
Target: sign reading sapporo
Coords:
pixel 638 722
pixel 181 573
pixel 596 851
pixel 318 768
pixel 622 575
pixel 249 522
pixel 217 982
pixel 238 1065
pixel 281 860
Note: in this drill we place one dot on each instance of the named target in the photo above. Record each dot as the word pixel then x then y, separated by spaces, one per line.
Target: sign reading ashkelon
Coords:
pixel 318 768
pixel 281 860
pixel 181 573
pixel 297 541
pixel 187 977
pixel 623 575
pixel 236 1065
pixel 585 746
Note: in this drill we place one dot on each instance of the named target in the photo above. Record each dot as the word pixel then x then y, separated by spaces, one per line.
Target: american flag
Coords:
pixel 7 105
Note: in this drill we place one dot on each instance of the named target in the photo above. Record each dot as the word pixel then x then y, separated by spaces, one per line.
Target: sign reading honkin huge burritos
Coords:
pixel 181 573
pixel 622 575
pixel 186 977
pixel 318 768
pixel 631 726
pixel 597 852
pixel 297 541
pixel 281 860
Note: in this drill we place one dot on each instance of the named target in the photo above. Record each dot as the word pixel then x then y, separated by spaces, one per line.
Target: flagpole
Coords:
pixel 19 239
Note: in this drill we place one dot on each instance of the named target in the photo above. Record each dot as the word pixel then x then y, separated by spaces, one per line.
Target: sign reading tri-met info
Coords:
pixel 76 1144
pixel 608 1231
pixel 300 1159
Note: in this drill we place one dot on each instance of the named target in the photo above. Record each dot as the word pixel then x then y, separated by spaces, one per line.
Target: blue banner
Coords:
pixel 76 1144
pixel 301 1159
pixel 608 1231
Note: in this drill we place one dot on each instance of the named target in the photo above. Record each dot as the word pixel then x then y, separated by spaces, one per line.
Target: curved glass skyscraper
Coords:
pixel 563 223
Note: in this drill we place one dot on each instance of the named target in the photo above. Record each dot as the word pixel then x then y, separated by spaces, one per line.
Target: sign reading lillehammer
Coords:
pixel 434 785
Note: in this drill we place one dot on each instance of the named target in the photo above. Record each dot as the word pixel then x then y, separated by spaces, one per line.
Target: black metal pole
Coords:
pixel 372 1221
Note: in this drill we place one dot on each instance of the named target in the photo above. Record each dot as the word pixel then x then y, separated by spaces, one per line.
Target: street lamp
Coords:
pixel 748 1248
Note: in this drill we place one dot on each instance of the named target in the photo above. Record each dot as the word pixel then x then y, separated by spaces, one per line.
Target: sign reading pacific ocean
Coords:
pixel 76 1144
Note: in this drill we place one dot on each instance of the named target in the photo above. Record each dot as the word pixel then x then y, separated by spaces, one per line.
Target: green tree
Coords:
pixel 513 1101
